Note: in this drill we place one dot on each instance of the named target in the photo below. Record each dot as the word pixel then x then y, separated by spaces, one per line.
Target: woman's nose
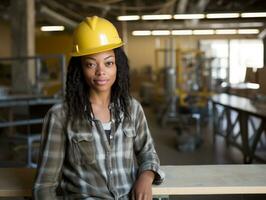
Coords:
pixel 100 69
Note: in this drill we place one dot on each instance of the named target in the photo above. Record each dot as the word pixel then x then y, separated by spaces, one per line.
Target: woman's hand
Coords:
pixel 142 188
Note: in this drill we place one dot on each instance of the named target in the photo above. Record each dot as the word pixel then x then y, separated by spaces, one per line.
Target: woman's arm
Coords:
pixel 52 153
pixel 147 158
pixel 142 189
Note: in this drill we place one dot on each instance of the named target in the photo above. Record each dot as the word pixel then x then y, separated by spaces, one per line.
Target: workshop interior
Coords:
pixel 197 67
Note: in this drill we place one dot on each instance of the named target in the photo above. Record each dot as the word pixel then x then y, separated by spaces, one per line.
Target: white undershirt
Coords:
pixel 106 126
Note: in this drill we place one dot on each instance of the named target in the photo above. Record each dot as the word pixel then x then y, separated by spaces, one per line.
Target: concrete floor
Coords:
pixel 165 139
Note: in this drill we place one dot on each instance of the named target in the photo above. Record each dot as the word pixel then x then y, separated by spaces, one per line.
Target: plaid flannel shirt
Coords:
pixel 78 158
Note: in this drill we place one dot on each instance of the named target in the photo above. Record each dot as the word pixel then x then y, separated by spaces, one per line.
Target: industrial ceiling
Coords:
pixel 70 12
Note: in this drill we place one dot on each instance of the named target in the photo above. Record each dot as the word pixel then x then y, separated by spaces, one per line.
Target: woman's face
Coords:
pixel 99 70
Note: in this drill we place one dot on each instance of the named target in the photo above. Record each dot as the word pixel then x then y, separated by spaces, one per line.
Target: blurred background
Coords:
pixel 196 66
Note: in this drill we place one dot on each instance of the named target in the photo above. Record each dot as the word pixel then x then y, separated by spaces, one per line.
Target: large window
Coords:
pixel 230 58
pixel 243 54
pixel 217 52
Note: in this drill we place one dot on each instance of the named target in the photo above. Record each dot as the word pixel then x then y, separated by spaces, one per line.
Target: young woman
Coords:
pixel 97 144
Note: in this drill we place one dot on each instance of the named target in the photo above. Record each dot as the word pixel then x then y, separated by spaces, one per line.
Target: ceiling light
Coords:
pixel 203 32
pixel 128 18
pixel 252 85
pixel 195 32
pixel 254 14
pixel 160 32
pixel 141 33
pixel 250 24
pixel 52 28
pixel 248 31
pixel 225 31
pixel 181 32
pixel 156 17
pixel 189 16
pixel 222 15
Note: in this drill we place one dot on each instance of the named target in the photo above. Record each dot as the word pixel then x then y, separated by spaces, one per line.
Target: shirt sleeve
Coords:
pixel 145 152
pixel 52 153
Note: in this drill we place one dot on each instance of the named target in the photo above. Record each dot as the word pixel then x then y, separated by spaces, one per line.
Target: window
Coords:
pixel 243 54
pixel 230 58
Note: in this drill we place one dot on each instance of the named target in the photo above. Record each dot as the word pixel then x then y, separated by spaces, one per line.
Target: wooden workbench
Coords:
pixel 213 179
pixel 180 180
pixel 240 103
pixel 16 182
pixel 240 131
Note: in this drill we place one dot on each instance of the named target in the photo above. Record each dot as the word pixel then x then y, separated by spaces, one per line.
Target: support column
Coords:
pixel 22 15
pixel 264 51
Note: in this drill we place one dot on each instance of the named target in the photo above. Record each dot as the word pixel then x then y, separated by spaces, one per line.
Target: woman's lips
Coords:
pixel 101 81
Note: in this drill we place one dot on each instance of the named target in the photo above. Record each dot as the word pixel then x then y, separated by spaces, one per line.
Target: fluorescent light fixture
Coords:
pixel 160 32
pixel 225 31
pixel 128 18
pixel 195 32
pixel 250 24
pixel 141 33
pixel 254 14
pixel 203 32
pixel 253 85
pixel 222 15
pixel 248 31
pixel 181 32
pixel 156 17
pixel 189 16
pixel 52 28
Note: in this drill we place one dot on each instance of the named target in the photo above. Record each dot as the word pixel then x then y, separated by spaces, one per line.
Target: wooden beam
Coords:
pixel 179 180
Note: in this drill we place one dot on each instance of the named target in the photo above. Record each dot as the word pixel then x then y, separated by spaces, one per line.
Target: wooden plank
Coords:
pixel 16 182
pixel 213 179
pixel 180 180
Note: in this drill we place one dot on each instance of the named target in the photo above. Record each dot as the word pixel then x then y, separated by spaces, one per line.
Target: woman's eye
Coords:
pixel 109 63
pixel 90 65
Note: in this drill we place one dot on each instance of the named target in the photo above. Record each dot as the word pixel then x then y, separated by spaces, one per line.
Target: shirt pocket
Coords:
pixel 129 133
pixel 83 149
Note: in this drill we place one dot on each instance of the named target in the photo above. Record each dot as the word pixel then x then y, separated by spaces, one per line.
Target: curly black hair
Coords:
pixel 77 90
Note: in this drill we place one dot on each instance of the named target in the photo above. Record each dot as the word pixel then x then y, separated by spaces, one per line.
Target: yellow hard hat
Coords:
pixel 94 35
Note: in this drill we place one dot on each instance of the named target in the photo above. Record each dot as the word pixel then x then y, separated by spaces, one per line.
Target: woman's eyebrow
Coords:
pixel 108 57
pixel 90 58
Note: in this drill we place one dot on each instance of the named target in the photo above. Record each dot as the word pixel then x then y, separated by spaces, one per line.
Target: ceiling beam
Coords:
pixel 64 8
pixel 201 6
pixel 55 17
pixel 181 7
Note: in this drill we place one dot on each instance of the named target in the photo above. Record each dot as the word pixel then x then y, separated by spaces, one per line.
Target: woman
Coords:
pixel 97 144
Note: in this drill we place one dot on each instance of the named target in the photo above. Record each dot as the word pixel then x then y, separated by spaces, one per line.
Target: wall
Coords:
pixel 262 80
pixel 5 39
pixel 141 50
pixel 57 43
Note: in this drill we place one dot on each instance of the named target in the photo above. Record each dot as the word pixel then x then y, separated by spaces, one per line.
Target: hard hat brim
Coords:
pixel 96 50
